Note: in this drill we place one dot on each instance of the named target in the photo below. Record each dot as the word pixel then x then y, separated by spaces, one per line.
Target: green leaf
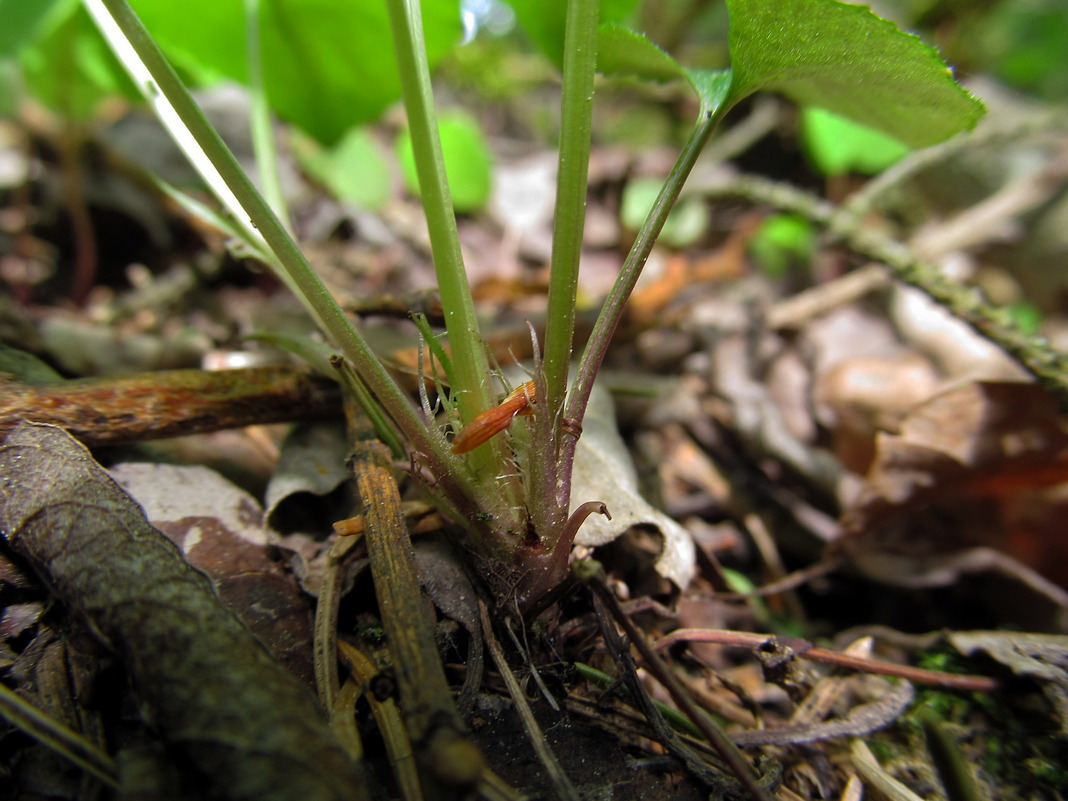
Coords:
pixel 468 161
pixel 685 225
pixel 783 241
pixel 23 21
pixel 1025 44
pixel 70 68
pixel 328 65
pixel 543 21
pixel 838 145
pixel 354 170
pixel 621 51
pixel 846 59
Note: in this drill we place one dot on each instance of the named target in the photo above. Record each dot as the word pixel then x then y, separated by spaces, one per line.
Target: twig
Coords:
pixel 326 608
pixel 240 722
pixel 874 774
pixel 727 750
pixel 389 720
pixel 436 728
pixel 654 713
pixel 989 133
pixel 111 411
pixel 21 714
pixel 557 777
pixel 795 310
pixel 745 639
pixel 860 720
pixel 997 325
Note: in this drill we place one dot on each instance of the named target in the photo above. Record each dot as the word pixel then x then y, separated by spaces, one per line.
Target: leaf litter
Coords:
pixel 951 488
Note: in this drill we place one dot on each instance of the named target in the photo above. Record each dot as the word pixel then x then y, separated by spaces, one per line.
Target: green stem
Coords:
pixel 549 505
pixel 263 144
pixel 296 269
pixel 470 366
pixel 576 112
pixel 612 310
pixel 472 387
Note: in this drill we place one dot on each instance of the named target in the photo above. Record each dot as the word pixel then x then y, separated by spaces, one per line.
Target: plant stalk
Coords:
pixel 263 144
pixel 470 366
pixel 576 113
pixel 551 496
pixel 612 310
pixel 499 492
pixel 253 213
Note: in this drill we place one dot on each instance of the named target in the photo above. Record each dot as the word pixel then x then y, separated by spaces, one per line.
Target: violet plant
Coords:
pixel 514 500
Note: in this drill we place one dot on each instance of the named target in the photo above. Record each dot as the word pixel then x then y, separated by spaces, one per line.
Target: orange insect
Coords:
pixel 518 403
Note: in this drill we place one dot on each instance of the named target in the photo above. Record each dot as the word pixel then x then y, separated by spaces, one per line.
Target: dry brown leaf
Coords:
pixel 220 529
pixel 975 480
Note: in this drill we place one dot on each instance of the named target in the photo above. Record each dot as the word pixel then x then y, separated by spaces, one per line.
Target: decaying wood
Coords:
pixel 111 411
pixel 437 731
pixel 248 728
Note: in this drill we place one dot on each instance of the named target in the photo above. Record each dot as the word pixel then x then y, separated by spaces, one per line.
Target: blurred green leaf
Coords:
pixel 354 170
pixel 468 161
pixel 783 241
pixel 837 145
pixel 543 21
pixel 845 59
pixel 23 21
pixel 328 65
pixel 69 67
pixel 687 222
pixel 1027 316
pixel 1027 44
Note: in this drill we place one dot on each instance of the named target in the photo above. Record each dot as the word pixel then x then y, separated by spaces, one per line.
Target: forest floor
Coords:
pixel 862 495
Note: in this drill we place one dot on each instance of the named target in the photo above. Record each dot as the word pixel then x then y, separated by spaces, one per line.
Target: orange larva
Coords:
pixel 519 402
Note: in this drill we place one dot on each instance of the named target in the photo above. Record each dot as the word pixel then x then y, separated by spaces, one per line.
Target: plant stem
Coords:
pixel 612 310
pixel 263 144
pixel 472 388
pixel 253 213
pixel 551 496
pixel 576 112
pixel 470 366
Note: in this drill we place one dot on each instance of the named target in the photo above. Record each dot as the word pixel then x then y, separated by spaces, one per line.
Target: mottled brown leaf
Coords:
pixel 974 480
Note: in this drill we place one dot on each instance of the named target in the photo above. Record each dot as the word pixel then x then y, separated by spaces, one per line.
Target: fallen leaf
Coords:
pixel 1043 657
pixel 605 471
pixel 974 481
pixel 220 529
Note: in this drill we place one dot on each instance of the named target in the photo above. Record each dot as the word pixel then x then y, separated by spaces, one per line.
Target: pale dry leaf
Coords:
pixel 221 530
pixel 311 464
pixel 605 471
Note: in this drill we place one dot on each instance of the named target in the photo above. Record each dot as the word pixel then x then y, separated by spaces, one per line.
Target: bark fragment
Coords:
pixel 249 728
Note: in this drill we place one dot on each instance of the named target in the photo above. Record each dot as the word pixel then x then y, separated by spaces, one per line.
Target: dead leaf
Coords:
pixel 220 529
pixel 604 471
pixel 311 466
pixel 975 480
pixel 1043 657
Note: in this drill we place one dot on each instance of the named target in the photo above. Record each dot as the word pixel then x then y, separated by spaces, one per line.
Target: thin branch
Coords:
pixel 725 748
pixel 1049 366
pixel 745 639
